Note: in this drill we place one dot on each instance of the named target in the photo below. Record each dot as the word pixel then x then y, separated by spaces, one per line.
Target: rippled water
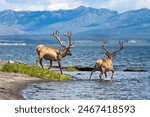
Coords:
pixel 84 55
pixel 125 85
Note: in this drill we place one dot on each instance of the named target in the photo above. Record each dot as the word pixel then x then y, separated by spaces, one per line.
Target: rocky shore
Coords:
pixel 11 84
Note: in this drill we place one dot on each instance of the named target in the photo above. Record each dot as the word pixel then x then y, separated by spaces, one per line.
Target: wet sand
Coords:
pixel 11 85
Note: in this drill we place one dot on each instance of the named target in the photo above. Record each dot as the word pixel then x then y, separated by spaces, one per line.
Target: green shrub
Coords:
pixel 34 71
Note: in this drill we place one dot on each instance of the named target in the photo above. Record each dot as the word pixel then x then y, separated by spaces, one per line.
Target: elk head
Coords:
pixel 66 49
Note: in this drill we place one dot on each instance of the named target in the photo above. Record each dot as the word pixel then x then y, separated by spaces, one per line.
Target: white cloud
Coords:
pixel 29 8
pixel 142 3
pixel 124 5
pixel 38 4
pixel 118 5
pixel 62 4
pixel 2 1
pixel 58 6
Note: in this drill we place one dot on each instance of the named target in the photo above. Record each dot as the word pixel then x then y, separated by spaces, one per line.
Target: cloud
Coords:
pixel 124 5
pixel 117 5
pixel 63 4
pixel 142 3
pixel 38 4
pixel 26 4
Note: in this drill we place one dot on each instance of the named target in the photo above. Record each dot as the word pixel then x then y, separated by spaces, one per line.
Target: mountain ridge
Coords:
pixel 80 21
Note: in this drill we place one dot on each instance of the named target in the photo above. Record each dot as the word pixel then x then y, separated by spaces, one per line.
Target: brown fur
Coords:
pixel 53 53
pixel 105 65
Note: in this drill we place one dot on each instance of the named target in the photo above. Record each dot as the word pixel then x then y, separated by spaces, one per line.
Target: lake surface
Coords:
pixel 125 85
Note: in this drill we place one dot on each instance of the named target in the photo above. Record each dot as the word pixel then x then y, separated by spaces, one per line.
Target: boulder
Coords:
pixel 134 70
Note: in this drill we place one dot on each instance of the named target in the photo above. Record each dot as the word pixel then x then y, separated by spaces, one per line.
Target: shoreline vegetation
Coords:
pixel 15 76
pixel 34 71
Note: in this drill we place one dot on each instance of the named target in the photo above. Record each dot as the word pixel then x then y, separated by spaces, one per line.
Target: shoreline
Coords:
pixel 11 85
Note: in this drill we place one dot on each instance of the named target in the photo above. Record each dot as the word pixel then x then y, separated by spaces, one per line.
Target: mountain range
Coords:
pixel 84 22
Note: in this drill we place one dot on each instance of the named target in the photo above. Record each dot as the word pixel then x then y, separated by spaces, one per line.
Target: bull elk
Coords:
pixel 106 65
pixel 53 53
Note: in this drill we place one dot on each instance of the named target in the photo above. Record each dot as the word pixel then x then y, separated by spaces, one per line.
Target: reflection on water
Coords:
pixel 124 86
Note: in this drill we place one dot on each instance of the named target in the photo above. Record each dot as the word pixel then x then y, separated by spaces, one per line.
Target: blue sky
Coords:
pixel 117 5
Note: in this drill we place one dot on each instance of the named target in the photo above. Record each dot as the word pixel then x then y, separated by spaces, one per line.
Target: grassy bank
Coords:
pixel 33 71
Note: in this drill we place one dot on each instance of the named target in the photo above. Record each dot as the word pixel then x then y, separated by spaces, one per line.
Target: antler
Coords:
pixel 69 35
pixel 121 47
pixel 104 47
pixel 57 37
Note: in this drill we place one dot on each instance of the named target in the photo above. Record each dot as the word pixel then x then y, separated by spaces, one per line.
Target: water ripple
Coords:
pixel 125 86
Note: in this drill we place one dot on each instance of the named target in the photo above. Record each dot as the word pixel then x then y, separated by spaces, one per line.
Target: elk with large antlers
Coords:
pixel 105 65
pixel 53 53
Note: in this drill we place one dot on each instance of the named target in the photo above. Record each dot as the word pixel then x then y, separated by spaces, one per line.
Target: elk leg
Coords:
pixel 112 73
pixel 59 63
pixel 41 62
pixel 95 68
pixel 101 75
pixel 50 64
pixel 92 72
pixel 105 75
pixel 37 60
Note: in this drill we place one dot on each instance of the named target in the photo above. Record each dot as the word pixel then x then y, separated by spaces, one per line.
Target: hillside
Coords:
pixel 82 21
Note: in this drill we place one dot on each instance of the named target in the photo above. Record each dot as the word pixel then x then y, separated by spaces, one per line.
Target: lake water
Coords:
pixel 125 85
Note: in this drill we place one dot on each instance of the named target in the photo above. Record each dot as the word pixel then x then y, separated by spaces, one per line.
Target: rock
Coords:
pixel 11 62
pixel 134 70
pixel 79 74
pixel 81 68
